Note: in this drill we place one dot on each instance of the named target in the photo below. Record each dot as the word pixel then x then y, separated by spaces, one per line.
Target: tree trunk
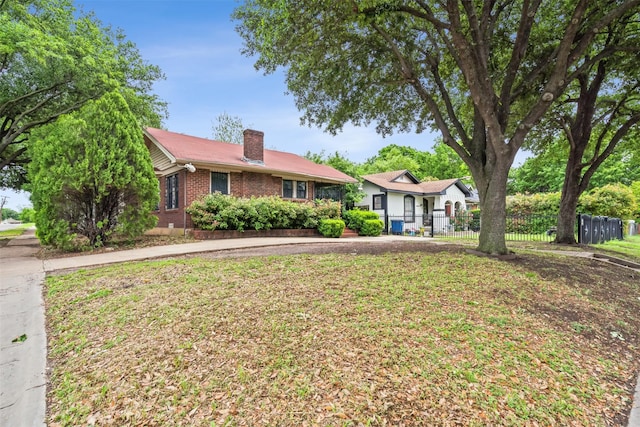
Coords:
pixel 565 232
pixel 571 190
pixel 493 210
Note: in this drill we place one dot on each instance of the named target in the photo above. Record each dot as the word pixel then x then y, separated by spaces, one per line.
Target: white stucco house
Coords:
pixel 406 204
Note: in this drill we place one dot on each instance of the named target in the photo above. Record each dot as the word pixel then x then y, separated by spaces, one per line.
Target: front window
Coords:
pixel 287 189
pixel 377 202
pixel 171 192
pixel 409 208
pixel 301 190
pixel 220 182
pixel 294 189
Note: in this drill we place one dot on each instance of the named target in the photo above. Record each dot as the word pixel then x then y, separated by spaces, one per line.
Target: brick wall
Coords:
pixel 174 216
pixel 198 183
pixel 253 145
pixel 259 184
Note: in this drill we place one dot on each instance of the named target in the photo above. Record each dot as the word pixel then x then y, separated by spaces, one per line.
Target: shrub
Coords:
pixel 224 212
pixel 371 227
pixel 331 227
pixel 533 204
pixel 355 218
pixel 613 200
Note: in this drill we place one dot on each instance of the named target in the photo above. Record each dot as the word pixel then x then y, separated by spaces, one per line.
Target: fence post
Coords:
pixel 431 222
pixel 579 222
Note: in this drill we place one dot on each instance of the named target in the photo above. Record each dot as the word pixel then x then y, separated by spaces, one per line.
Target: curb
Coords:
pixel 634 415
pixel 619 261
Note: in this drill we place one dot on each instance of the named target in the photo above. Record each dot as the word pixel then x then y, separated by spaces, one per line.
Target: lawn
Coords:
pixel 427 335
pixel 628 248
pixel 17 231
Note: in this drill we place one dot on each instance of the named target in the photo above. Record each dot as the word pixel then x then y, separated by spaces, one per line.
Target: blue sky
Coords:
pixel 195 44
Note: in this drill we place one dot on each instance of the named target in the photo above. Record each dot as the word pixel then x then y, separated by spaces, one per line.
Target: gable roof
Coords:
pixel 392 181
pixel 181 148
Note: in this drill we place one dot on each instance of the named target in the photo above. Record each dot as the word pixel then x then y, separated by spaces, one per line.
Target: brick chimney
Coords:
pixel 253 146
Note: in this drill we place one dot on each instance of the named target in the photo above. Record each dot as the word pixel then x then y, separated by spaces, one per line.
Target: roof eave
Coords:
pixel 160 147
pixel 264 169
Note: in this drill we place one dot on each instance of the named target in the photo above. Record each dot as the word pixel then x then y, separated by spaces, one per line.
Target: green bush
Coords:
pixel 355 218
pixel 613 200
pixel 474 224
pixel 331 227
pixel 223 212
pixel 533 204
pixel 371 227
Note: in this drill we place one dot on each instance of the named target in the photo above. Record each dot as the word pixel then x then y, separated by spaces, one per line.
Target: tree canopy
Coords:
pixel 91 174
pixel 228 128
pixel 52 61
pixel 483 73
pixel 596 115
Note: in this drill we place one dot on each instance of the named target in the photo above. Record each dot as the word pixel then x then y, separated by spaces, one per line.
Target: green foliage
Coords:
pixel 355 218
pixel 442 163
pixel 482 73
pixel 635 189
pixel 614 200
pixel 532 214
pixel 339 162
pixel 53 60
pixel 228 128
pixel 545 172
pixel 9 213
pixel 331 227
pixel 223 212
pixel 371 227
pixel 533 204
pixel 474 223
pixel 91 174
pixel 28 215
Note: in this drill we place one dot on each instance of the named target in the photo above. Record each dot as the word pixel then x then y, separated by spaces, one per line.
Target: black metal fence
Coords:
pixel 541 228
pixel 598 229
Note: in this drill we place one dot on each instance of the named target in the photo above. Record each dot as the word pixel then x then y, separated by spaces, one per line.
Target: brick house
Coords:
pixel 188 167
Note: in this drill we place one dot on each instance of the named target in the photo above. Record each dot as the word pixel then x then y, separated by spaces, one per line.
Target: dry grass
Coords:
pixel 344 340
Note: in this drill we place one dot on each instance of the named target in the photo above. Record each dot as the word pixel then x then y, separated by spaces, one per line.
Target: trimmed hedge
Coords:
pixel 223 212
pixel 331 227
pixel 355 218
pixel 371 227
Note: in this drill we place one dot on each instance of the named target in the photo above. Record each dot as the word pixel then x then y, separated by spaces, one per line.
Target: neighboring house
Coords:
pixel 188 167
pixel 403 201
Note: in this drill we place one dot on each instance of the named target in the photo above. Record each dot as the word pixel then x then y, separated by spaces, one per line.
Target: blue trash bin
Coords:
pixel 397 226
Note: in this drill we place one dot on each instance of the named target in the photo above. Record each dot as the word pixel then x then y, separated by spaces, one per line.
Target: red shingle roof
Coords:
pixel 207 152
pixel 387 181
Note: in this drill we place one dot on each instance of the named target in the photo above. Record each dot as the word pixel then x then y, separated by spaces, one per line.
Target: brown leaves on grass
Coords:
pixel 391 339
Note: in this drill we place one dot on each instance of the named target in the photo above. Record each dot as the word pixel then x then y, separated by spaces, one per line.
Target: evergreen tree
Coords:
pixel 91 174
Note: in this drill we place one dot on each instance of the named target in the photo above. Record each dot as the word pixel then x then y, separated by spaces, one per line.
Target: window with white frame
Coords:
pixel 294 189
pixel 171 192
pixel 220 182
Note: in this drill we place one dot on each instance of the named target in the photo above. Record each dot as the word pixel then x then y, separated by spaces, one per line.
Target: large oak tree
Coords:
pixel 483 73
pixel 597 114
pixel 52 61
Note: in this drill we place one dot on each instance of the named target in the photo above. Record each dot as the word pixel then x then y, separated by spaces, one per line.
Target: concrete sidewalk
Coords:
pixel 153 252
pixel 23 363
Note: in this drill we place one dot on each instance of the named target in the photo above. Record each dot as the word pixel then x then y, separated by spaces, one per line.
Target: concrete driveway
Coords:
pixel 23 362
